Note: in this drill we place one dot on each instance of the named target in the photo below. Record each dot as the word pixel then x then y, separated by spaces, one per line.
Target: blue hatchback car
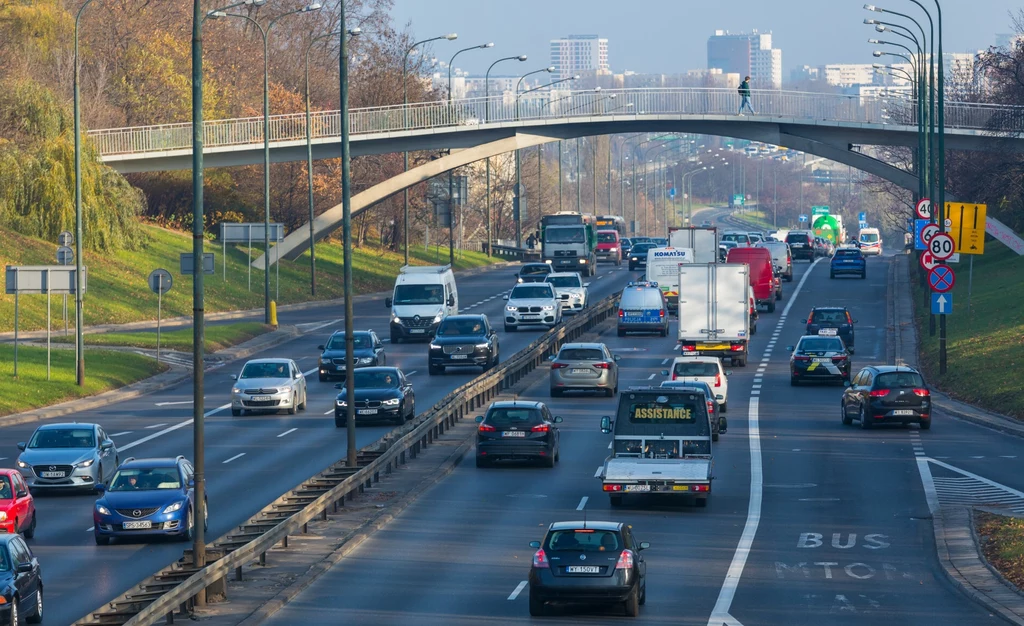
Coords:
pixel 848 261
pixel 147 497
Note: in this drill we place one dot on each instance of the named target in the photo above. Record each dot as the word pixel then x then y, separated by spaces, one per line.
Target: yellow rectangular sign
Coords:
pixel 966 224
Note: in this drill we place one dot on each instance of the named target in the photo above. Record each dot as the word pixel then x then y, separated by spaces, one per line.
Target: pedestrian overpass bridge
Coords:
pixel 832 126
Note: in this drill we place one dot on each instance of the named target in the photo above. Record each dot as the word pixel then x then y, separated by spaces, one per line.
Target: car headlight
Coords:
pixel 633 258
pixel 612 249
pixel 583 261
pixel 434 346
pixel 86 463
pixel 366 360
pixel 484 345
pixel 174 507
pixel 548 307
pixel 102 509
pixel 3 516
pixel 236 390
pixel 396 319
pixel 511 308
pixel 340 403
pixel 437 318
pixel 22 463
pixel 391 402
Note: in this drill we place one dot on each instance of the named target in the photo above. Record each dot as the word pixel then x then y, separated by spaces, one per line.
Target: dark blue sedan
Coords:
pixel 848 261
pixel 147 497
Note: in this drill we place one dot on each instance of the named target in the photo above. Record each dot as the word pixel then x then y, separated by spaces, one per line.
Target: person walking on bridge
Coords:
pixel 744 92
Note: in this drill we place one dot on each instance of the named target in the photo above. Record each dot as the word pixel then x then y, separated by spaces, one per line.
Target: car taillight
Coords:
pixel 540 559
pixel 879 393
pixel 923 393
pixel 737 347
pixel 540 428
pixel 839 358
pixel 711 408
pixel 603 366
pixel 487 428
pixel 622 313
pixel 625 560
pixel 556 365
pixel 661 313
pixel 801 358
pixel 688 347
pixel 612 487
pixel 810 318
pixel 849 320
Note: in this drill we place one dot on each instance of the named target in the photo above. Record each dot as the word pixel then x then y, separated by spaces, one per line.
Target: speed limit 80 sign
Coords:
pixel 941 246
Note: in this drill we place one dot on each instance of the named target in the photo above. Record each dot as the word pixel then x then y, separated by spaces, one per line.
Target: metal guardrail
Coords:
pixel 496 109
pixel 175 587
pixel 512 252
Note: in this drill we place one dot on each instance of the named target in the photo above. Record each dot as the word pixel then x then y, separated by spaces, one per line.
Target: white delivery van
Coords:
pixel 663 268
pixel 870 241
pixel 714 310
pixel 423 296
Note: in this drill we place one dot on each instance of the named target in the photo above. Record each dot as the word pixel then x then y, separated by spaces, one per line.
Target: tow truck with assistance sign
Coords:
pixel 662 445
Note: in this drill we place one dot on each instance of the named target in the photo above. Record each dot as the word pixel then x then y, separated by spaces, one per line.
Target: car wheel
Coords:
pixel 924 424
pixel 771 306
pixel 793 381
pixel 322 378
pixel 30 532
pixel 15 616
pixel 615 500
pixel 622 333
pixel 632 604
pixel 740 362
pixel 831 274
pixel 101 541
pixel 395 338
pixel 643 596
pixel 701 502
pixel 847 420
pixel 190 526
pixel 556 393
pixel 609 392
pixel 302 407
pixel 236 412
pixel 37 616
pixel 548 461
pixel 295 400
pixel 714 435
pixel 864 422
pixel 340 423
pixel 400 420
pixel 482 462
pixel 510 329
pixel 537 608
pixel 789 278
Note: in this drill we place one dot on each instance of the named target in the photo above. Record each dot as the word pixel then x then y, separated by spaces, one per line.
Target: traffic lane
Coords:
pixel 845 533
pixel 461 551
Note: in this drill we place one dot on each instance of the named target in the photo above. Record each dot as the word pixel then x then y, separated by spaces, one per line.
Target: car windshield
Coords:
pixel 274 369
pixel 583 540
pixel 146 479
pixel 796 238
pixel 535 270
pixel 848 252
pixel 580 354
pixel 626 241
pixel 419 294
pixel 868 237
pixel 829 317
pixel 891 380
pixel 6 493
pixel 737 237
pixel 375 380
pixel 63 438
pixel 361 342
pixel 456 328
pixel 565 281
pixel 531 291
pixel 606 237
pixel 642 247
pixel 696 368
pixel 689 386
pixel 506 417
pixel 820 344
pixel 565 235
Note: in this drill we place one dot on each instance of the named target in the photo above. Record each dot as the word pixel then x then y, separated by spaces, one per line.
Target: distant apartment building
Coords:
pixel 586 55
pixel 747 54
pixel 849 74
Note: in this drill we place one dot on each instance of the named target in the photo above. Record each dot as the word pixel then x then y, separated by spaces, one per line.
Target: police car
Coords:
pixel 642 308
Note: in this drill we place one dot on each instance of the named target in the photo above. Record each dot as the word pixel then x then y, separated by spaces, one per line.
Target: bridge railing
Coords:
pixel 503 108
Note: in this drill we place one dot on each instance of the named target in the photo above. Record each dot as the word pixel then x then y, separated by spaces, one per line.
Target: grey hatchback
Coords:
pixel 584 366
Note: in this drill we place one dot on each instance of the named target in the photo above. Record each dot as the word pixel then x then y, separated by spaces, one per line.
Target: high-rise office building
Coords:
pixel 586 55
pixel 747 54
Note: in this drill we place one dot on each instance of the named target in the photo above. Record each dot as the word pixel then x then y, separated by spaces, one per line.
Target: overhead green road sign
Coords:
pixel 819 210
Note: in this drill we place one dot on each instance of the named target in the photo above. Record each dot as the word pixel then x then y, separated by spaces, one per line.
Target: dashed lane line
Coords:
pixel 237 456
pixel 155 426
pixel 179 425
pixel 583 503
pixel 287 432
pixel 518 590
pixel 597 474
pixel 126 432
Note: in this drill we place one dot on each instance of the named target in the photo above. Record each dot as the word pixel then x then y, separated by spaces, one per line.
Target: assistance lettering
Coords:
pixel 641 414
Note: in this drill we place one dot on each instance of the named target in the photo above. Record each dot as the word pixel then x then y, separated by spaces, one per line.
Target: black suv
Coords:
pixel 801 245
pixel 463 340
pixel 832 321
pixel 533 272
pixel 369 352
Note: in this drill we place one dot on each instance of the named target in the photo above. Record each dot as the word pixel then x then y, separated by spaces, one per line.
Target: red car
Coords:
pixel 17 508
pixel 609 246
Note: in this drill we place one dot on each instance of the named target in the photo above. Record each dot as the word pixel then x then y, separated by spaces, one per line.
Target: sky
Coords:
pixel 668 36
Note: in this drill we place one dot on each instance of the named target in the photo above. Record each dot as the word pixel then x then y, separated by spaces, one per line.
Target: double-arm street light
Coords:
pixel 451 173
pixel 309 158
pixel 518 209
pixel 264 32
pixel 487 118
pixel 405 121
pixel 540 148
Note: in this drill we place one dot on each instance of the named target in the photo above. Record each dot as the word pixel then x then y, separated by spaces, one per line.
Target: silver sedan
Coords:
pixel 67 456
pixel 584 366
pixel 268 385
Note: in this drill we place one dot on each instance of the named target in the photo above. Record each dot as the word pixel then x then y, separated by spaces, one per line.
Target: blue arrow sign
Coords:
pixel 942 303
pixel 803 218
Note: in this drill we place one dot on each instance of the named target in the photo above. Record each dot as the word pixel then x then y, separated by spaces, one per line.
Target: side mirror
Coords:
pixel 479 419
pixel 535 544
pixel 320 348
pixel 99 487
pixel 24 568
pixel 234 377
pixel 505 297
pixel 664 372
pixel 728 373
pixel 552 357
pixel 22 494
pixel 846 383
pixel 586 284
pixel 644 545
pixel 854 321
pixel 558 419
pixel 388 302
pixel 451 300
pixel 606 424
pixel 21 446
pixel 106 445
pixel 516 274
pixel 191 483
pixel 790 348
pixel 616 357
pixel 298 375
pixel 339 386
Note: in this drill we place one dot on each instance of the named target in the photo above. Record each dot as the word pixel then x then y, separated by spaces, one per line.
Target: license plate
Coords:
pixel 417 331
pixel 680 487
pixel 821 360
pixel 689 352
pixel 366 412
pixel 634 313
pixel 460 356
pixel 340 368
pixel 262 398
pixel 828 331
pixel 513 433
pixel 52 474
pixel 137 525
pixel 580 370
pixel 582 569
pixel 638 487
pixel 713 346
pixel 903 412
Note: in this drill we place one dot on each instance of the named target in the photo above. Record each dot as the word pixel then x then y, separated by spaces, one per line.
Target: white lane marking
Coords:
pixel 720 614
pixel 173 403
pixel 310 372
pixel 609 445
pixel 1002 456
pixel 319 326
pixel 237 456
pixel 287 432
pixel 678 346
pixel 160 433
pixel 755 386
pixel 155 426
pixel 519 589
pixel 126 432
pixel 665 362
pixel 583 503
pixel 329 412
pixel 598 472
pixel 761 370
pixel 651 377
pixel 90 529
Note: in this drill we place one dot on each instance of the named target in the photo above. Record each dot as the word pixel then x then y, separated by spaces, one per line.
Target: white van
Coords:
pixel 663 268
pixel 423 296
pixel 870 241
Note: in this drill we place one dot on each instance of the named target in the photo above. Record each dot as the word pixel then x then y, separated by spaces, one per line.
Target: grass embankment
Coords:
pixel 1001 540
pixel 105 370
pixel 118 292
pixel 218 337
pixel 755 218
pixel 984 347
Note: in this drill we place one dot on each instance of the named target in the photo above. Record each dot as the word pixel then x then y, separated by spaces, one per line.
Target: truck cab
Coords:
pixel 569 242
pixel 661 445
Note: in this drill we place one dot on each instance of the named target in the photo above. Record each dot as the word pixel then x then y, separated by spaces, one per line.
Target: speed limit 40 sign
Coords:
pixel 923 208
pixel 941 246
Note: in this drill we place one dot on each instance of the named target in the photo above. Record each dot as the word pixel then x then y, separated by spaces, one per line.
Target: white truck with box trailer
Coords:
pixel 702 240
pixel 714 310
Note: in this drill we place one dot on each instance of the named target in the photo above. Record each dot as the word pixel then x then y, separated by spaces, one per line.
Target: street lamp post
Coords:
pixel 579 181
pixel 346 221
pixel 405 121
pixel 451 173
pixel 487 118
pixel 519 204
pixel 309 160
pixel 265 32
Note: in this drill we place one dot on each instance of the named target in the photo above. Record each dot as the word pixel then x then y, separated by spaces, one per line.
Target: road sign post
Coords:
pixel 44 280
pixel 160 282
pixel 66 256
